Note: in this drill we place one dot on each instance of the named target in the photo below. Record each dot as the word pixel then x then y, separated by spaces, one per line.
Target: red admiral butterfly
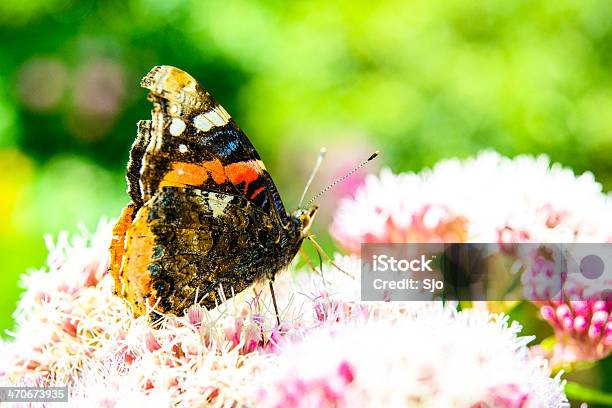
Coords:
pixel 205 214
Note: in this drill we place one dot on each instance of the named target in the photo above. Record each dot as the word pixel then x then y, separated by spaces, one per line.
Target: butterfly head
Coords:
pixel 305 217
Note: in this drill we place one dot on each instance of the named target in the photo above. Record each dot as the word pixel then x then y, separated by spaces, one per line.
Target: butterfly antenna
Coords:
pixel 320 158
pixel 341 179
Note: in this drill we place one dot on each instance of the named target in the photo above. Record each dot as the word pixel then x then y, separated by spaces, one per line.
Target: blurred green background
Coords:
pixel 419 80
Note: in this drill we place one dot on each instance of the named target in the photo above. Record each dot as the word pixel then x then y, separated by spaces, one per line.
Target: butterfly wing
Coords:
pixel 193 141
pixel 186 241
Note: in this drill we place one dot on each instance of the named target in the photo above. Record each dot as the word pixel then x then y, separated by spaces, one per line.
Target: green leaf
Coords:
pixel 581 393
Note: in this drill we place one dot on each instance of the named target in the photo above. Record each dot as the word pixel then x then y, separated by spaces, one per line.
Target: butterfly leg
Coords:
pixel 331 261
pixel 274 302
pixel 309 261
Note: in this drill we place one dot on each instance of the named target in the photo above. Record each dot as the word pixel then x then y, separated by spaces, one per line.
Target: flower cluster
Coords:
pixel 584 328
pixel 399 361
pixel 72 329
pixel 495 199
pixel 581 317
pixel 328 349
pixel 488 198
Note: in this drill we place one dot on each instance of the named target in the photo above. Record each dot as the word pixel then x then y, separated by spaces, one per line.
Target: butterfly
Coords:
pixel 205 218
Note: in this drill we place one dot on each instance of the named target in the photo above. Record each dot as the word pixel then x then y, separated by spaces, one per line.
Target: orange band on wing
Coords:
pixel 135 274
pixel 117 247
pixel 256 193
pixel 246 172
pixel 191 174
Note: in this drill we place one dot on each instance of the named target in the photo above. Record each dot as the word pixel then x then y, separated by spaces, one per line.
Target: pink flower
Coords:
pixel 151 342
pixel 195 315
pixel 322 392
pixel 495 199
pixel 411 361
pixel 505 396
pixel 428 223
pixel 488 198
pixel 583 329
pixel 572 299
pixel 543 279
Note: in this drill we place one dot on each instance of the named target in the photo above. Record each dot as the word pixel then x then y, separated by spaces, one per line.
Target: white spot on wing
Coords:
pixel 217 203
pixel 182 148
pixel 214 117
pixel 156 133
pixel 177 127
pixel 202 123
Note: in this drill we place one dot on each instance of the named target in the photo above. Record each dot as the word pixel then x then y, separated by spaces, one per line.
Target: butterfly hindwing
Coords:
pixel 189 240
